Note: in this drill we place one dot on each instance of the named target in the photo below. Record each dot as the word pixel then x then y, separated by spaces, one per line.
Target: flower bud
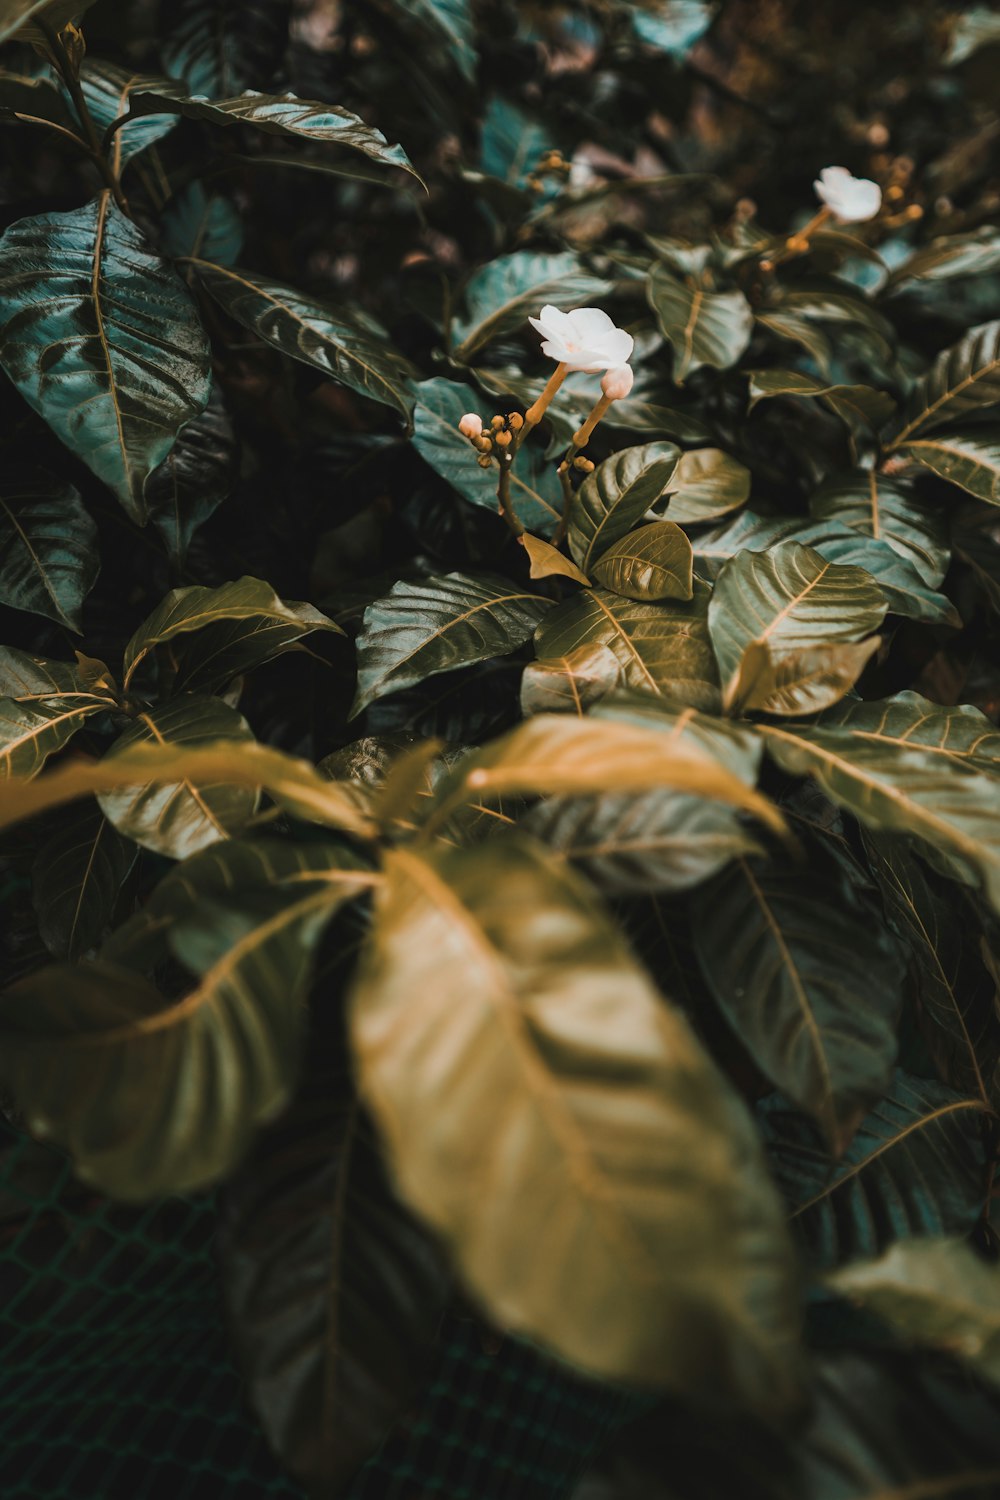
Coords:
pixel 515 421
pixel 504 439
pixel 585 465
pixel 471 425
pixel 496 423
pixel 617 382
pixel 484 460
pixel 483 443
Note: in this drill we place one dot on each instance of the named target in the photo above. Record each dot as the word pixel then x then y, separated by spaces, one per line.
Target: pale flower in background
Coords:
pixel 471 425
pixel 850 199
pixel 618 382
pixel 585 339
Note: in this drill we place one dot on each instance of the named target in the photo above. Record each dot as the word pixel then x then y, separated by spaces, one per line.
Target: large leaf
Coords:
pixel 31 732
pixel 936 1292
pixel 221 46
pixel 150 1097
pixel 501 296
pixel 802 682
pixel 534 485
pixel 615 497
pixel 437 624
pixel 899 581
pixel 916 1167
pixel 808 981
pixel 194 478
pixel 962 379
pixel 277 114
pixel 887 511
pixel 76 880
pixel 257 626
pixel 102 338
pixel 663 647
pixel 48 546
pixel 969 458
pixel 334 1290
pixel 789 598
pixel 704 328
pixel 653 562
pixel 17 17
pixel 334 340
pixel 181 818
pixel 558 1075
pixel 30 679
pixel 706 483
pixel 571 683
pixel 107 91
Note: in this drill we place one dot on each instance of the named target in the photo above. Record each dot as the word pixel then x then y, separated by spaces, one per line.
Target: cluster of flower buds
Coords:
pixel 500 434
pixel 549 162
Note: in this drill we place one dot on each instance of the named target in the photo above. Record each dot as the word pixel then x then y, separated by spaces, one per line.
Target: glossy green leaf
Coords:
pixel 257 626
pixel 615 497
pixel 550 1048
pixel 18 17
pixel 277 114
pixel 195 477
pixel 804 681
pixel 31 678
pixel 886 510
pixel 439 623
pixel 31 732
pixel 76 880
pixel 180 818
pixel 504 293
pixel 334 1291
pixel 48 546
pixel 353 351
pixel 108 90
pixel 808 981
pixel 571 683
pixel 916 1167
pixel 653 562
pixel 963 379
pixel 969 458
pixel 102 338
pixel 789 599
pixel 534 485
pixel 664 648
pixel 201 225
pixel 706 483
pixel 703 328
pixel 898 579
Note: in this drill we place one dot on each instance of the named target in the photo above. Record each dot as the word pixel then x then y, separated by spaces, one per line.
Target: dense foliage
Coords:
pixel 590 909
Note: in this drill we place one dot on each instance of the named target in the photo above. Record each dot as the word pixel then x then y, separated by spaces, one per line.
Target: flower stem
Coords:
pixel 91 139
pixel 582 438
pixel 537 410
pixel 506 462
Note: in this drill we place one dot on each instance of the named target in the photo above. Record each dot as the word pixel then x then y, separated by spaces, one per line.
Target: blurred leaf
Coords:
pixel 808 982
pixel 194 478
pixel 664 648
pixel 615 497
pixel 537 1087
pixel 672 26
pixel 76 880
pixel 450 22
pixel 862 408
pixel 802 331
pixel 962 379
pixel 706 483
pixel 704 328
pixel 102 339
pixel 502 294
pixel 571 683
pixel 653 562
pixel 799 682
pixel 17 17
pixel 334 340
pixel 974 27
pixel 203 226
pixel 887 510
pixel 221 46
pixel 437 624
pixel 48 546
pixel 970 459
pixel 916 1167
pixel 951 255
pixel 511 141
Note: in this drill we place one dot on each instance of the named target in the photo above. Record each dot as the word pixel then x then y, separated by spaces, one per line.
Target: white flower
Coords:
pixel 851 199
pixel 470 426
pixel 618 382
pixel 585 339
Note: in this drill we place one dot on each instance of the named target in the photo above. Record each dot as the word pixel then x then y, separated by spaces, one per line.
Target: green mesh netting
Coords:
pixel 115 1379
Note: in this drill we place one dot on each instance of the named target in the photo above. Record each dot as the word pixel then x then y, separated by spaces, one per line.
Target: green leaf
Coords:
pixel 616 496
pixel 258 625
pixel 949 256
pixel 706 483
pixel 534 484
pixel 48 546
pixel 108 90
pixel 102 338
pixel 704 328
pixel 916 1167
pixel 32 678
pixel 963 379
pixel 935 1292
pixel 16 17
pixel 338 342
pixel 664 648
pixel 180 818
pixel 898 579
pixel 569 684
pixel 789 598
pixel 202 225
pixel 548 562
pixel 503 293
pixel 808 982
pixel 862 408
pixel 31 732
pixel 653 562
pixel 802 331
pixel 734 746
pixel 511 141
pixel 886 510
pixel 195 477
pixel 803 681
pixel 975 535
pixel 278 114
pixel 970 459
pixel 672 26
pixel 960 737
pixel 450 22
pixel 601 1120
pixel 76 880
pixel 971 28
pixel 851 313
pixel 437 624
pixel 221 46
pixel 334 1290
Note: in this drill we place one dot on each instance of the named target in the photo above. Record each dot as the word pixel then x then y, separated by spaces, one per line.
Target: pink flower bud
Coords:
pixel 617 382
pixel 470 426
